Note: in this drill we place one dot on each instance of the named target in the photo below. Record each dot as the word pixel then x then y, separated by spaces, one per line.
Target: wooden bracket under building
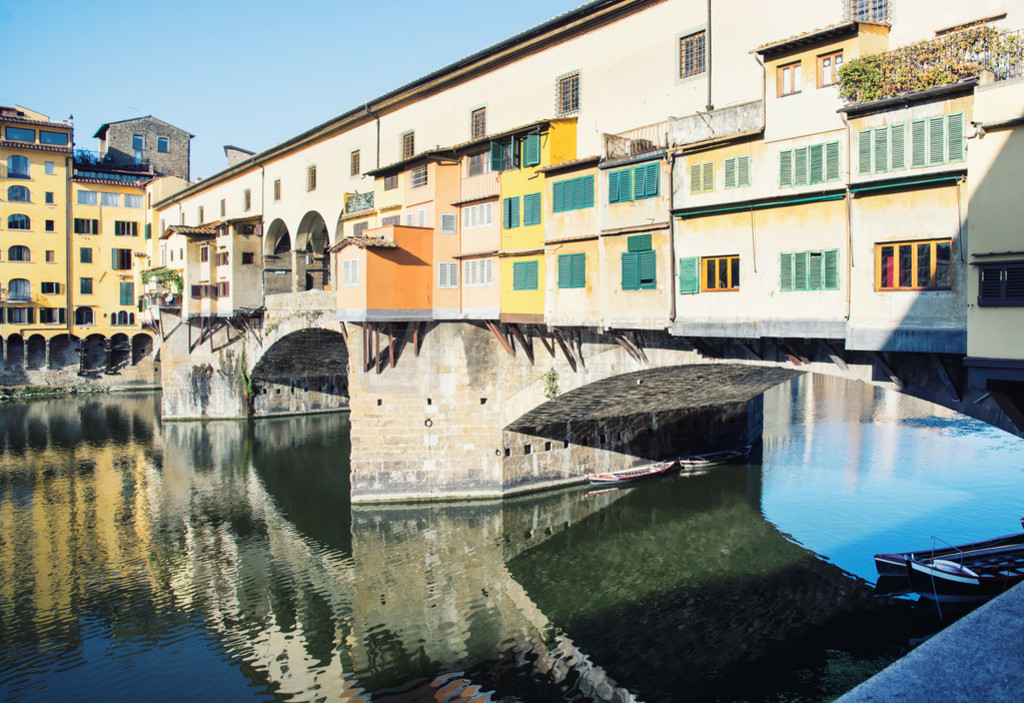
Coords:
pixel 885 369
pixel 750 348
pixel 944 377
pixel 527 347
pixel 565 348
pixel 835 356
pixel 418 332
pixel 499 335
pixel 629 346
pixel 549 347
pixel 794 356
pixel 703 347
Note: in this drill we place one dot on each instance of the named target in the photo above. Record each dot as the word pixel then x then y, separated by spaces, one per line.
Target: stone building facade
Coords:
pixel 146 141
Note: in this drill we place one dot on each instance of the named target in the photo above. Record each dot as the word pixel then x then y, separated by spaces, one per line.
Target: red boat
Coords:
pixel 637 473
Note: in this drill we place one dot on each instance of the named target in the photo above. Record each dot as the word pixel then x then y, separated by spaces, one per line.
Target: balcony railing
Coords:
pixel 932 63
pixel 636 141
pixel 484 185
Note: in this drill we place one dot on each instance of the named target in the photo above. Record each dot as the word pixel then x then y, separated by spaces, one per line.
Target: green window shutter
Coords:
pixel 653 179
pixel 707 176
pixel 815 273
pixel 898 150
pixel 743 171
pixel 639 182
pixel 127 293
pixel 149 230
pixel 531 150
pixel 955 136
pixel 579 271
pixel 625 186
pixel 817 159
pixel 577 193
pixel 518 277
pixel 831 269
pixel 527 210
pixel 646 263
pixel 639 242
pixel 695 178
pixel 881 149
pixel 864 151
pixel 531 275
pixel 786 168
pixel 565 270
pixel 918 148
pixel 800 270
pixel 506 213
pixel 113 259
pixel 588 191
pixel 630 270
pixel 800 166
pixel 514 211
pixel 936 140
pixel 730 172
pixel 689 275
pixel 786 272
pixel 613 186
pixel 832 161
pixel 497 156
pixel 537 208
pixel 556 196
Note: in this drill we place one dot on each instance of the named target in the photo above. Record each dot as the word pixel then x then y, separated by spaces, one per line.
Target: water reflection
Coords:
pixel 224 560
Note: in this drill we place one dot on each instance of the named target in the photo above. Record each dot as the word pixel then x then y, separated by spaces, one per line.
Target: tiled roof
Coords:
pixel 806 37
pixel 364 243
pixel 581 162
pixel 190 231
pixel 111 182
pixel 14 144
pixel 26 120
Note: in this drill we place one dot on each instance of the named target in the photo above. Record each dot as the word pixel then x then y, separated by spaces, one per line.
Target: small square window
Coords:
pixel 50 168
pixel 419 176
pixel 51 226
pixel 391 182
pixel 49 198
pixel 408 145
pixel 567 93
pixel 51 256
pixel 138 141
pixel 85 286
pixel 478 123
pixel 248 257
pixel 85 255
pixel 162 144
pixel 692 56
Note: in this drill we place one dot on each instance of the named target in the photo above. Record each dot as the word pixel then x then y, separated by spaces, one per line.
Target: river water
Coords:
pixel 222 561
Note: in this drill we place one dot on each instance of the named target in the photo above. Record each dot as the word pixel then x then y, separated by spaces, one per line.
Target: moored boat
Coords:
pixel 637 473
pixel 728 456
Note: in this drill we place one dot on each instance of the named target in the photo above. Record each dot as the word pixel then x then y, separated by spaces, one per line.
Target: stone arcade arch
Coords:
pixel 277 259
pixel 64 351
pixel 94 349
pixel 15 357
pixel 35 352
pixel 142 347
pixel 312 263
pixel 304 371
pixel 120 351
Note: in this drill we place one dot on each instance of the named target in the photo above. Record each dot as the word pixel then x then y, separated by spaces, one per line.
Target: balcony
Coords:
pixel 636 141
pixel 484 185
pixel 933 63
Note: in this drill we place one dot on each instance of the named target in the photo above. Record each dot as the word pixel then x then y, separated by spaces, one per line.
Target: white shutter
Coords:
pixel 448 224
pixel 421 217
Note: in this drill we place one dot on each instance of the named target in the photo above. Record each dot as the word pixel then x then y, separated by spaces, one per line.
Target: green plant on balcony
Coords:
pixel 165 278
pixel 931 63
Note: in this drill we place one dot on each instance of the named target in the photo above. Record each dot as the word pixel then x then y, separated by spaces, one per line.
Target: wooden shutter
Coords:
pixel 647 265
pixel 864 151
pixel 514 211
pixel 557 203
pixel 613 186
pixel 639 182
pixel 113 259
pixel 531 150
pixel 743 171
pixel 527 210
pixel 689 275
pixel 565 270
pixel 730 173
pixel 127 293
pixel 531 275
pixel 786 272
pixel 898 150
pixel 638 242
pixel 881 149
pixel 786 168
pixel 588 191
pixel 695 173
pixel 831 266
pixel 832 161
pixel 579 271
pixel 442 275
pixel 625 186
pixel 800 270
pixel 955 137
pixel 653 179
pixel 817 159
pixel 630 271
pixel 918 149
pixel 815 270
pixel 518 277
pixel 708 175
pixel 936 140
pixel 149 230
pixel 800 166
pixel 497 156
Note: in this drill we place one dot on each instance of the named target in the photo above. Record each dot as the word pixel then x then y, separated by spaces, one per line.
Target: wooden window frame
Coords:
pixel 478 123
pixel 310 178
pixel 407 144
pixel 834 67
pixel 353 163
pixel 567 94
pixel 731 273
pixel 693 63
pixel 277 189
pixel 780 81
pixel 1001 284
pixel 915 285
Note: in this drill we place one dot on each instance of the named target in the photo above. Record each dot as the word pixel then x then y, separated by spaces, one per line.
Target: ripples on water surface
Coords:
pixel 222 561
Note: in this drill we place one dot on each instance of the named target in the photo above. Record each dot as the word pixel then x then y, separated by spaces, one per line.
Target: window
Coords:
pixel 737 171
pixel 110 199
pixel 163 145
pixel 201 215
pixel 505 154
pixel 828 68
pixel 51 256
pixel 223 289
pixel 49 168
pixel 359 228
pixel 138 141
pixel 868 10
pixel 55 138
pixel 633 183
pixel 23 315
pixel 567 93
pixel 419 176
pixel 49 288
pixel 246 200
pixel 19 222
pixel 524 275
pixel 83 316
pixel 277 189
pixel 122 317
pixel 204 254
pixel 531 149
pixel 20 134
pixel 49 198
pixel 126 229
pixel 350 272
pixel 937 140
pixel 87 197
pixel 474 216
pixel 51 316
pixel 248 257
pixel 790 79
pixel 818 163
pixel 477 273
pixel 391 220
pixel 85 255
pixel 809 270
pixel 921 265
pixel 17 167
pixel 691 55
pixel 449 224
pixel 408 145
pixel 354 163
pixel 311 178
pixel 881 149
pixel 573 194
pixel 639 264
pixel 721 273
pixel 85 226
pixel 19 253
pixel 478 123
pixel 19 290
pixel 223 207
pixel 510 213
pixel 18 194
pixel 133 201
pixel 572 270
pixel 479 163
pixel 702 177
pixel 51 226
pixel 121 259
pixel 447 274
pixel 391 182
pixel 531 209
pixel 1001 284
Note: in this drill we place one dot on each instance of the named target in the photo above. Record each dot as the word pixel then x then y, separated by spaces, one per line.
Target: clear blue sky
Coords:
pixel 250 74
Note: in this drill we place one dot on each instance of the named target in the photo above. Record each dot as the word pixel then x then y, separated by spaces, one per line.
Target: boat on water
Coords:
pixel 959 573
pixel 637 473
pixel 727 456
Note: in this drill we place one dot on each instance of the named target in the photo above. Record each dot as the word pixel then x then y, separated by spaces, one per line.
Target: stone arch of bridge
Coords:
pixel 311 242
pixel 301 371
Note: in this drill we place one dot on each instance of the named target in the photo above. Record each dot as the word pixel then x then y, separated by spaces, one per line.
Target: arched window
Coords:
pixel 18 194
pixel 19 290
pixel 19 222
pixel 83 316
pixel 17 167
pixel 122 318
pixel 18 252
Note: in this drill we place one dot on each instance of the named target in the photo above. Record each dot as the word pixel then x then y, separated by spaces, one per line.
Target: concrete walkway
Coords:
pixel 978 658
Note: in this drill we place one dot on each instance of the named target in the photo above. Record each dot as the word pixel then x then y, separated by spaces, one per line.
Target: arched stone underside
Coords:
pixel 305 371
pixel 312 262
pixel 277 259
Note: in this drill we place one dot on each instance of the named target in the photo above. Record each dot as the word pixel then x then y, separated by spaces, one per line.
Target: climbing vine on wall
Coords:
pixel 165 278
pixel 551 384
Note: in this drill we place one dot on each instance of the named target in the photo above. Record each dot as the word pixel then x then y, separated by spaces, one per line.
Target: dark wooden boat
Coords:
pixel 637 473
pixel 960 573
pixel 728 456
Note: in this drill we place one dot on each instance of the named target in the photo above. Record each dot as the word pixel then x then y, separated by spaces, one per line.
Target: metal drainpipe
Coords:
pixel 849 218
pixel 710 105
pixel 672 236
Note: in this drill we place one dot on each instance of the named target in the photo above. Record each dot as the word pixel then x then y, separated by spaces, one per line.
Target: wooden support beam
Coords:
pixel 750 348
pixel 565 348
pixel 638 343
pixel 499 335
pixel 835 356
pixel 627 345
pixel 544 342
pixel 885 369
pixel 417 337
pixel 794 356
pixel 527 347
pixel 376 349
pixel 947 382
pixel 703 347
pixel 391 345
